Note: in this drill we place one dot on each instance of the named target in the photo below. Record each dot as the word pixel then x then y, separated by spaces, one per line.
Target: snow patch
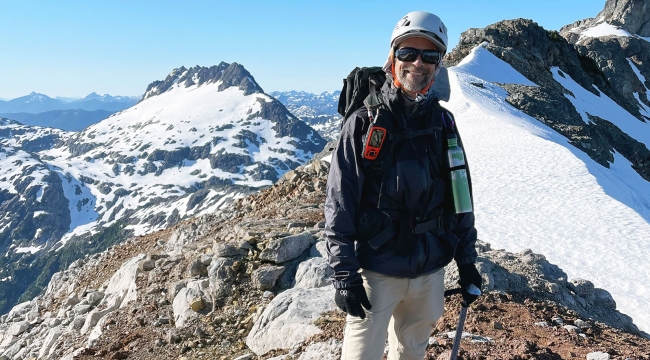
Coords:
pixel 482 64
pixel 28 249
pixel 602 106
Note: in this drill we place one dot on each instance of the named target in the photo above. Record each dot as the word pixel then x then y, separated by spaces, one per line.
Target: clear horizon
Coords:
pixel 74 48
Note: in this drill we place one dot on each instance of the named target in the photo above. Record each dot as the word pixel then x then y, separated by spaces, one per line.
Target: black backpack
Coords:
pixel 356 87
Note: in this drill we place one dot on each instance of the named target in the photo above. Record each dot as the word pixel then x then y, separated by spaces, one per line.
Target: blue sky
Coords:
pixel 72 48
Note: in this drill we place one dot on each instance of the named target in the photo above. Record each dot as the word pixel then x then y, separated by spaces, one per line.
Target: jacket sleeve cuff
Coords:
pixel 346 279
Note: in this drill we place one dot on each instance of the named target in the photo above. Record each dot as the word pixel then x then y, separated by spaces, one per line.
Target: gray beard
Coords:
pixel 414 85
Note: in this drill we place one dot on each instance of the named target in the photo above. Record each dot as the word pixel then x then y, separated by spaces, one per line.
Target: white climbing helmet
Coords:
pixel 420 24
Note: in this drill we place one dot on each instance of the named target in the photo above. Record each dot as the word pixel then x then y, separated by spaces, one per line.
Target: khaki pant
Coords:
pixel 406 309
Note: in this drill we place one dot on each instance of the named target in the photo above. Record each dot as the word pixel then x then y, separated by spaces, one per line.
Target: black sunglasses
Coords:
pixel 411 54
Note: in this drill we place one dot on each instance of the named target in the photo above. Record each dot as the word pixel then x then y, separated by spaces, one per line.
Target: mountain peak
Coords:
pixel 632 15
pixel 228 74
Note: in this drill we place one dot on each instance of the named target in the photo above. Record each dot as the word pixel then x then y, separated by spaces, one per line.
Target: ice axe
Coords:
pixel 472 289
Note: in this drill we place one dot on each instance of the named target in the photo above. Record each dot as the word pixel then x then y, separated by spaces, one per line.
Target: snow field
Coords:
pixel 532 189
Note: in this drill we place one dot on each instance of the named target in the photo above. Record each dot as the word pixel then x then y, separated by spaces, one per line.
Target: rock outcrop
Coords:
pixel 632 16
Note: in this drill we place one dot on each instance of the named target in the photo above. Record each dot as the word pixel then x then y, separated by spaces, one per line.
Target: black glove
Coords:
pixel 469 275
pixel 351 299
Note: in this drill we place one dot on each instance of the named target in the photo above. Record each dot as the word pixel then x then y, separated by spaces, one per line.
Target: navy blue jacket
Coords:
pixel 413 182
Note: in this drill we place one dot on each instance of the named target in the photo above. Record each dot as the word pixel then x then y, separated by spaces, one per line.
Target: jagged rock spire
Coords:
pixel 229 74
pixel 632 15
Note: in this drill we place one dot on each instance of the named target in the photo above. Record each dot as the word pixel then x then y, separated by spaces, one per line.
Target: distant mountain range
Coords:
pixel 70 120
pixel 317 110
pixel 35 103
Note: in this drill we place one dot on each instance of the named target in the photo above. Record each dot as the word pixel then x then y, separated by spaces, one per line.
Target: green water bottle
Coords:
pixel 459 180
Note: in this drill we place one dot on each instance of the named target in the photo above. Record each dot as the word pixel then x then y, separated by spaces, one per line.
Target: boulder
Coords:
pixel 18 328
pixel 220 275
pixel 581 287
pixel 122 283
pixel 186 304
pixel 197 268
pixel 289 319
pixel 94 297
pixel 265 277
pixel 50 339
pixel 223 249
pixel 598 355
pixel 314 272
pixel 328 350
pixel 319 249
pixel 604 299
pixel 287 248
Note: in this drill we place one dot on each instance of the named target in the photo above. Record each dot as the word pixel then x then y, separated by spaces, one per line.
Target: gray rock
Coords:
pixel 287 248
pixel 553 288
pixel 223 249
pixel 147 265
pixel 289 319
pixel 319 249
pixel 206 259
pixel 161 321
pixel 604 299
pixel 581 324
pixel 81 309
pixel 176 287
pixel 328 350
pixel 314 272
pixel 598 355
pixel 197 268
pixel 71 300
pixel 77 323
pixel 94 297
pixel 571 328
pixel 265 277
pixel 244 357
pixel 76 264
pixel 13 350
pixel 183 311
pixel 51 338
pixel 18 328
pixel 581 287
pixel 220 275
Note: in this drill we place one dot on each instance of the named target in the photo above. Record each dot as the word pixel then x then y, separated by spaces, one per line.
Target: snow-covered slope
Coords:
pixel 534 190
pixel 184 137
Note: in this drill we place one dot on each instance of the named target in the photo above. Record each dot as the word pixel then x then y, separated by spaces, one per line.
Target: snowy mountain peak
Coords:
pixel 623 18
pixel 227 74
pixel 632 15
pixel 34 96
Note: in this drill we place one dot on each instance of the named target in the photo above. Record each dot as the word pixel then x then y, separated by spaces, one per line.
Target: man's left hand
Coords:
pixel 469 275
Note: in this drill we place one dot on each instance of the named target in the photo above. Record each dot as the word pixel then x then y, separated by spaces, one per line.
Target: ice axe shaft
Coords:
pixel 472 289
pixel 459 332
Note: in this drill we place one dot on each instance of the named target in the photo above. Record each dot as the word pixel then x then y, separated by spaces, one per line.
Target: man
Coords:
pixel 390 222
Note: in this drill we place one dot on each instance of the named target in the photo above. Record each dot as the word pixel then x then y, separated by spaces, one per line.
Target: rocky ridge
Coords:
pixel 606 64
pixel 252 282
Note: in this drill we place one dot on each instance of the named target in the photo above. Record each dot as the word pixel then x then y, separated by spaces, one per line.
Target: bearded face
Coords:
pixel 415 75
pixel 414 78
